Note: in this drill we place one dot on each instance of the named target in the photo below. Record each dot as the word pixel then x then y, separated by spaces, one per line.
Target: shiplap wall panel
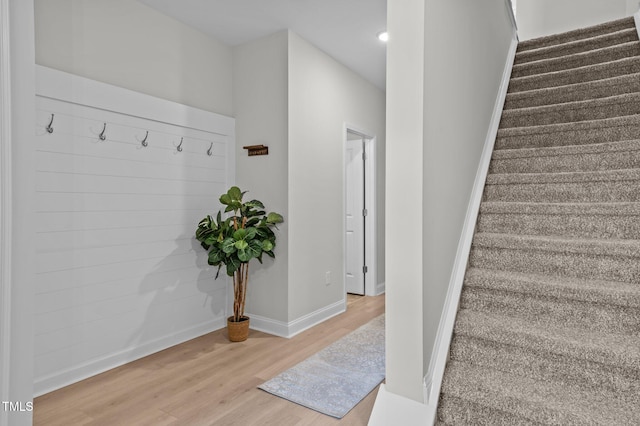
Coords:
pixel 119 274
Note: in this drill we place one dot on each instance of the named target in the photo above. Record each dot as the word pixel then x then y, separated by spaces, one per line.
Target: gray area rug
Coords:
pixel 335 379
pixel 548 330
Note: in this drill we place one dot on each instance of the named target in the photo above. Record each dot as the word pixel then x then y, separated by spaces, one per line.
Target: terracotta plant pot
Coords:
pixel 238 331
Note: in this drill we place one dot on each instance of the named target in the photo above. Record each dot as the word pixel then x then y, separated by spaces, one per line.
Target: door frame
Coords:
pixel 371 277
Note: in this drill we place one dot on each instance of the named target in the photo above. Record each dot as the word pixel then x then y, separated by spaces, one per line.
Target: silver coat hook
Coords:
pixel 144 141
pixel 102 136
pixel 209 151
pixel 49 128
pixel 179 148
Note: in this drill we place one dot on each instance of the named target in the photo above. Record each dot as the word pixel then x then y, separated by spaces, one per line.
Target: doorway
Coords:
pixel 359 213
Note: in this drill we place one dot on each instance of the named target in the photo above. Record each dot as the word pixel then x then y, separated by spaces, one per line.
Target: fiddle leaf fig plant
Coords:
pixel 234 240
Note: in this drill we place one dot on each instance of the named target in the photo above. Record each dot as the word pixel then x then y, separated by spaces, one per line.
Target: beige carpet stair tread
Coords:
pixel 604 209
pixel 594 291
pixel 604 40
pixel 620 67
pixel 569 112
pixel 608 125
pixel 606 349
pixel 569 158
pixel 574 92
pixel 578 34
pixel 628 175
pixel 553 151
pixel 533 401
pixel 597 247
pixel 570 220
pixel 577 60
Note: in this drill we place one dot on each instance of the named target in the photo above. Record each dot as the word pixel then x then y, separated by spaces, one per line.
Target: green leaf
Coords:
pixel 240 234
pixel 255 247
pixel 274 218
pixel 233 263
pixel 216 257
pixel 267 245
pixel 244 255
pixel 235 193
pixel 225 199
pixel 229 245
pixel 254 203
pixel 251 234
pixel 241 244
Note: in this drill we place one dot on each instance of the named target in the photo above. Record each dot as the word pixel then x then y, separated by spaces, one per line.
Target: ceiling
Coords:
pixel 345 29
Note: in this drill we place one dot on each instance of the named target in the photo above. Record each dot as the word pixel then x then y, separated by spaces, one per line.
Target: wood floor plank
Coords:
pixel 208 381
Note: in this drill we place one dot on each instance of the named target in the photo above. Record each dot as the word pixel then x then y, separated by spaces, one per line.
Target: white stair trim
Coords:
pixel 440 354
pixel 636 18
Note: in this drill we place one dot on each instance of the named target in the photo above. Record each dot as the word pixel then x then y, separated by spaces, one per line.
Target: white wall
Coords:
pixel 119 274
pixel 261 111
pixel 128 44
pixel 17 357
pixel 296 99
pixel 444 70
pixel 537 18
pixel 323 96
pixel 461 81
pixel 404 189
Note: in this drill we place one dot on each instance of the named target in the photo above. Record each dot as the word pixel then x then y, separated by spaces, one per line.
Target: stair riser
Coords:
pixel 577 61
pixel 556 264
pixel 545 310
pixel 573 93
pixel 451 411
pixel 587 226
pixel 568 163
pixel 581 75
pixel 568 114
pixel 545 366
pixel 576 35
pixel 568 137
pixel 577 47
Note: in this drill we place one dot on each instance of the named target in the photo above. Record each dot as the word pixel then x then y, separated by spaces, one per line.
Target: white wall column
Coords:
pixel 404 202
pixel 17 60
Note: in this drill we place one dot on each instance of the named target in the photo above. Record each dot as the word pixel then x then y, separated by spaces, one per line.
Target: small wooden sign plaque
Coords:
pixel 257 150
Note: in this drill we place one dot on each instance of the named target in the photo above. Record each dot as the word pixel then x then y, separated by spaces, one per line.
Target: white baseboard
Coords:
pixel 290 329
pixel 440 354
pixel 392 409
pixel 636 18
pixel 380 288
pixel 81 372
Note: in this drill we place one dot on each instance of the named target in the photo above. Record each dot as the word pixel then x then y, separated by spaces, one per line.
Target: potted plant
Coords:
pixel 232 242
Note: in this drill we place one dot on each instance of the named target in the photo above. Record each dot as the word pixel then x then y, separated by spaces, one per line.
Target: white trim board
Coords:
pixel 51 83
pixel 636 18
pixel 297 326
pixel 440 354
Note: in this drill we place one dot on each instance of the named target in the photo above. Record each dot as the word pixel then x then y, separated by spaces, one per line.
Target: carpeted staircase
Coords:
pixel 548 330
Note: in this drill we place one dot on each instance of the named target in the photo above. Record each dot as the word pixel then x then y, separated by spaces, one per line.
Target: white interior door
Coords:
pixel 354 190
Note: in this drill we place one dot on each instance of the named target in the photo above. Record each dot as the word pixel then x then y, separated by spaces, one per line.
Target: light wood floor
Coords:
pixel 207 381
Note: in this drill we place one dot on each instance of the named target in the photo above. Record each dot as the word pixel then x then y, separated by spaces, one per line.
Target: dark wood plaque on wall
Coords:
pixel 257 150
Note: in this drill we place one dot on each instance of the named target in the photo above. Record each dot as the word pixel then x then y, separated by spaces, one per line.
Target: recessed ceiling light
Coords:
pixel 383 36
